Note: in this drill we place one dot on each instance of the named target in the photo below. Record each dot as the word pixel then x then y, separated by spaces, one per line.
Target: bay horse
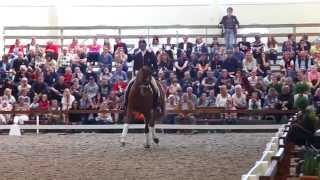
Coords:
pixel 140 104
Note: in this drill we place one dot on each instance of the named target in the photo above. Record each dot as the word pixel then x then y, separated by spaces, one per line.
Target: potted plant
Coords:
pixel 311 166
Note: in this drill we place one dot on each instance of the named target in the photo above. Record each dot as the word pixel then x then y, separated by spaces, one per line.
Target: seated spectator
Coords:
pixel 239 55
pixel 253 78
pixel 287 63
pixel 68 77
pixel 50 76
pixel 214 47
pixel 192 97
pixel 53 117
pixel 165 63
pixel 257 47
pixel 255 102
pixel 74 118
pixel 91 88
pixel 106 59
pixel 222 97
pixel 286 98
pixel 104 117
pixel 121 44
pixel 105 86
pixel 275 83
pixel 171 105
pixel 174 87
pixel 5 106
pixel 216 64
pixel 230 117
pixel 80 60
pixel 314 77
pixel 225 79
pixel 51 63
pixel 76 89
pixel 168 47
pixel 271 101
pixel 186 104
pixel 192 65
pixel 303 61
pixel 56 91
pixel 19 61
pixel 211 99
pixel 16 48
pixel 64 60
pixel 119 87
pixel 315 52
pixel 249 63
pixel 290 44
pixel 231 63
pixel 209 82
pixel 185 47
pixel 73 46
pixel 85 103
pixel 5 66
pixel 120 58
pixel 203 64
pixel 155 46
pixel 181 66
pixel 52 50
pixel 21 105
pixel 67 99
pixel 244 45
pixel 272 50
pixel 239 99
pixel 93 51
pixel 202 100
pixel 8 95
pixel 200 47
pixel 77 74
pixel 304 44
pixel 316 100
pixel 44 102
pixel 119 73
pixel 24 86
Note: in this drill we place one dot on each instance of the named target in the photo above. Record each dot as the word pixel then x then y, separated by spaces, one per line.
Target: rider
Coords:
pixel 143 57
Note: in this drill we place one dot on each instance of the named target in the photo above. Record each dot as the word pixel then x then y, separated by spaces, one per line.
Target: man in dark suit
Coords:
pixel 185 46
pixel 143 57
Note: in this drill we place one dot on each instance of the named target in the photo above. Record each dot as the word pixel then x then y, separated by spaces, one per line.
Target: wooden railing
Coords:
pixel 208 31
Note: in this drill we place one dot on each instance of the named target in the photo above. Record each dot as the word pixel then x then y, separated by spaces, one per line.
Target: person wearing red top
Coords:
pixel 94 51
pixel 119 86
pixel 44 102
pixel 52 50
pixel 68 77
pixel 16 48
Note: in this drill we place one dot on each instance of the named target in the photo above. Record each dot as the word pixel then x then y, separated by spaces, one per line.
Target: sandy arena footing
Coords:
pixel 99 156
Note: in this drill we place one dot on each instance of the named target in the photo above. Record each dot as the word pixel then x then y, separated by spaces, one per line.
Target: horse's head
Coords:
pixel 143 79
pixel 144 76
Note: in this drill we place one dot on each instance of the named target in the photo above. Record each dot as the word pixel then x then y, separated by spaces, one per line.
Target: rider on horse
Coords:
pixel 143 57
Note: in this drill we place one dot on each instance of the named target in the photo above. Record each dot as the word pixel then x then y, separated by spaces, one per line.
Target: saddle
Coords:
pixel 155 91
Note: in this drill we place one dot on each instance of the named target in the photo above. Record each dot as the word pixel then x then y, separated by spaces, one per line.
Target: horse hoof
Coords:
pixel 123 144
pixel 156 140
pixel 147 146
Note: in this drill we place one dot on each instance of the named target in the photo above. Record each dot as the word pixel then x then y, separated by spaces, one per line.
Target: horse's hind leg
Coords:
pixel 153 129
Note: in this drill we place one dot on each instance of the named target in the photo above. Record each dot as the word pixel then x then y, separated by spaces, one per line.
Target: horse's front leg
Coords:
pixel 153 129
pixel 146 130
pixel 125 131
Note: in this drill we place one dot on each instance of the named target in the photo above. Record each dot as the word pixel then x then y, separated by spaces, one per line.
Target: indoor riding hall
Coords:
pixel 160 89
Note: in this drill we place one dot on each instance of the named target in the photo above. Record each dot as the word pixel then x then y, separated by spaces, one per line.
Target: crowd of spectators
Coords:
pixel 193 74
